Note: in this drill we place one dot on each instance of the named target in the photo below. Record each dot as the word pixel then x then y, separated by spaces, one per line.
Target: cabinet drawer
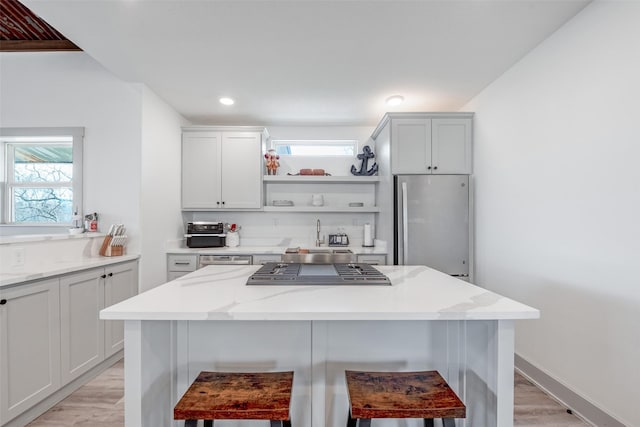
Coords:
pixel 182 262
pixel 373 259
pixel 173 275
pixel 265 258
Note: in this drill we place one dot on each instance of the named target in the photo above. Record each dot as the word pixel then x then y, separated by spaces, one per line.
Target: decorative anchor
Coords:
pixel 365 156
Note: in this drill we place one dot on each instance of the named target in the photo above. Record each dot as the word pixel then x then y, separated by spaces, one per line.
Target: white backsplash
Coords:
pixel 26 253
pixel 290 228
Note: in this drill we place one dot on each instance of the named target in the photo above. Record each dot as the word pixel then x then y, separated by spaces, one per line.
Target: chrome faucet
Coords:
pixel 318 241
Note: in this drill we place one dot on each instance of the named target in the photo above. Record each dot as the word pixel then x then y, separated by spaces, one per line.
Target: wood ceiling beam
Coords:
pixel 36 45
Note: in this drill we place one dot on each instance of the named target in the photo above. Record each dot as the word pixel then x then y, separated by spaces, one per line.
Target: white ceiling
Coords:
pixel 307 62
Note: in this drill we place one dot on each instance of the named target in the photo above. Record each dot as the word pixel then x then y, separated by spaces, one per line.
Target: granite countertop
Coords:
pixel 220 293
pixel 23 275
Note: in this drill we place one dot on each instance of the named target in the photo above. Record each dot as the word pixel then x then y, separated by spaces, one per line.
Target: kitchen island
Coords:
pixel 210 320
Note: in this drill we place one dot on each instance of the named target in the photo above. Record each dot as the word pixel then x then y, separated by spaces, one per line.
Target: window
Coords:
pixel 346 148
pixel 42 175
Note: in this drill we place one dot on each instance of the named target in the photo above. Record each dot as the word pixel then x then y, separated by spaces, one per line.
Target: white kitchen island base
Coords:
pixel 209 320
pixel 163 357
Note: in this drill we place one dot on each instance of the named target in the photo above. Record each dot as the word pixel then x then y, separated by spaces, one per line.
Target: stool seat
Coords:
pixel 423 394
pixel 237 396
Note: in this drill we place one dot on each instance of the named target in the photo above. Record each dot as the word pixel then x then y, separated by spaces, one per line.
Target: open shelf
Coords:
pixel 364 209
pixel 321 179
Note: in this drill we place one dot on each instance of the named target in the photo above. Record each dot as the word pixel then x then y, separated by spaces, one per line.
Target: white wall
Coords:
pixel 71 89
pixel 161 219
pixel 557 173
pixel 131 145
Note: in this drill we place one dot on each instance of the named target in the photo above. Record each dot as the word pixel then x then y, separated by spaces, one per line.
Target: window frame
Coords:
pixel 18 135
pixel 274 143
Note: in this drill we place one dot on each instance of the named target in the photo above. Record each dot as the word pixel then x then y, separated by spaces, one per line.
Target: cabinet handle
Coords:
pixel 217 203
pixel 110 274
pixel 223 203
pixel 435 167
pixel 3 301
pixel 181 263
pixel 428 167
pixel 104 276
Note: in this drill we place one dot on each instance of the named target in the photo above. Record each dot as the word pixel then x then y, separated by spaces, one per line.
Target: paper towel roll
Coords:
pixel 368 237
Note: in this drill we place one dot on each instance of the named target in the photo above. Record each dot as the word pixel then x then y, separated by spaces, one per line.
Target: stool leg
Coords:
pixel 448 422
pixel 350 421
pixel 365 422
pixel 208 423
pixel 286 423
pixel 283 423
pixel 190 423
pixel 428 422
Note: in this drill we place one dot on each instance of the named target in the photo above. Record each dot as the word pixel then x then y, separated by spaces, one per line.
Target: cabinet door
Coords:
pixel 451 146
pixel 410 146
pixel 241 170
pixel 81 332
pixel 29 346
pixel 121 283
pixel 201 170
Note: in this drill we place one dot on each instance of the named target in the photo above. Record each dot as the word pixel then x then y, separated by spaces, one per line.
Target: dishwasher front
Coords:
pixel 204 260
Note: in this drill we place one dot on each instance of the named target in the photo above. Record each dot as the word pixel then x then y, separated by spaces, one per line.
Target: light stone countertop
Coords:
pixel 220 293
pixel 50 269
pixel 249 250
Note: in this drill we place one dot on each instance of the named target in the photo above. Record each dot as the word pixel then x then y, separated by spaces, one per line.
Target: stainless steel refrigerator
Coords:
pixel 431 222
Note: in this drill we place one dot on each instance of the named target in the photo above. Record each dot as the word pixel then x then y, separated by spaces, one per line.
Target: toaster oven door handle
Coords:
pixel 204 235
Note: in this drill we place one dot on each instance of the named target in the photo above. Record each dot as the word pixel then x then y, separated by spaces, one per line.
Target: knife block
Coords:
pixel 107 250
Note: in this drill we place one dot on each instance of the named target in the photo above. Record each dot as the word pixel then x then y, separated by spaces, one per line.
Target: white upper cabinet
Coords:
pixel 241 170
pixel 427 143
pixel 221 169
pixel 201 172
pixel 451 146
pixel 410 146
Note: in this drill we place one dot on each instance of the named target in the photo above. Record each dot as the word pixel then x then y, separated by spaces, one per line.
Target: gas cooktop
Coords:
pixel 277 273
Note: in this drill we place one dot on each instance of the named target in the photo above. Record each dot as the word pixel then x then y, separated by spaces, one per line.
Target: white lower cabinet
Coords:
pixel 121 283
pixel 81 331
pixel 50 332
pixel 265 258
pixel 29 346
pixel 179 265
pixel 373 259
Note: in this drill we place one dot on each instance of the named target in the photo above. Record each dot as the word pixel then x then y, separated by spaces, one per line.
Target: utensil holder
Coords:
pixel 109 249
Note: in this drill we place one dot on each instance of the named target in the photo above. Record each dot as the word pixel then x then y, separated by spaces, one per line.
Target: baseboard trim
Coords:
pixel 567 397
pixel 49 402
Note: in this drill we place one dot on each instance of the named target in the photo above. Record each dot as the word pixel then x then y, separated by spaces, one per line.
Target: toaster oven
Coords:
pixel 205 234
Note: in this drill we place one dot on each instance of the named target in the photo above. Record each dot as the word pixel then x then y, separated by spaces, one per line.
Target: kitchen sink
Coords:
pixel 318 256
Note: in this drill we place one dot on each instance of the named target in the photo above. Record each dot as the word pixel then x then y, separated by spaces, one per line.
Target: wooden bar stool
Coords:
pixel 237 396
pixel 422 394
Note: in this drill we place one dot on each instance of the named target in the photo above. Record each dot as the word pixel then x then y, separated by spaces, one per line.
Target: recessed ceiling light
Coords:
pixel 394 100
pixel 226 101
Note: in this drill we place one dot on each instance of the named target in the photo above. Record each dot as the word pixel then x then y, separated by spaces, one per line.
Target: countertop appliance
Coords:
pixel 432 222
pixel 277 273
pixel 205 234
pixel 204 260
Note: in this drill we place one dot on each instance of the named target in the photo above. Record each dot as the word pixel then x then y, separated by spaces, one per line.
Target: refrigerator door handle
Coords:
pixel 405 225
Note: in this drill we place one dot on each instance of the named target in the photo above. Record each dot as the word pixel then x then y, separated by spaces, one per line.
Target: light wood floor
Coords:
pixel 100 403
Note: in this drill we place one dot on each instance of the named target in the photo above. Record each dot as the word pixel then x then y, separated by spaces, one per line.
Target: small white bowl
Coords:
pixel 76 230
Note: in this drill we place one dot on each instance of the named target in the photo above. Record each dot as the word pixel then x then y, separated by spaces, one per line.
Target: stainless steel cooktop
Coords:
pixel 278 273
